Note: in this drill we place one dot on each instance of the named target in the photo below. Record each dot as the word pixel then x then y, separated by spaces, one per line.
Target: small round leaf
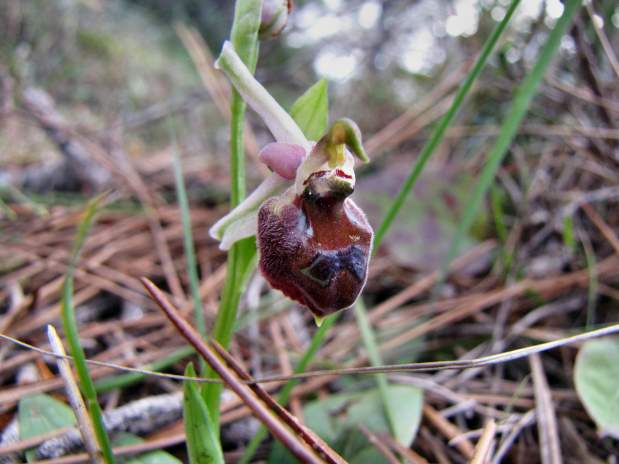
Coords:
pixel 595 375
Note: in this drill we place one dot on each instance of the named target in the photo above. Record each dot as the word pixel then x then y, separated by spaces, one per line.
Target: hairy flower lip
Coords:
pixel 315 252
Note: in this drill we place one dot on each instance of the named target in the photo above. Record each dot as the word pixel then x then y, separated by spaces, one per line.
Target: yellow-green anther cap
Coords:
pixel 345 131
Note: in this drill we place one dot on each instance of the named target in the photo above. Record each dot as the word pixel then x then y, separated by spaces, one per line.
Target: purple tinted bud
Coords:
pixel 282 158
pixel 274 17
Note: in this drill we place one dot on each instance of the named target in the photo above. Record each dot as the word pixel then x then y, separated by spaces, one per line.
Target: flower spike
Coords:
pixel 314 242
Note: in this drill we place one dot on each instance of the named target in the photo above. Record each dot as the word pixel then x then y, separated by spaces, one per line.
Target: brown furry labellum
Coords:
pixel 315 247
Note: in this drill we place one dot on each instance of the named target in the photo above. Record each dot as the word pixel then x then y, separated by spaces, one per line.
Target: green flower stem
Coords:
pixel 240 258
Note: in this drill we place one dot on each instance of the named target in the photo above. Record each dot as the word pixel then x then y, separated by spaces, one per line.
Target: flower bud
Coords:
pixel 282 158
pixel 274 18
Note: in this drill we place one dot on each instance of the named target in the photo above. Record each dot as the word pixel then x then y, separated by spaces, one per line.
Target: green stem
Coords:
pixel 237 153
pixel 244 36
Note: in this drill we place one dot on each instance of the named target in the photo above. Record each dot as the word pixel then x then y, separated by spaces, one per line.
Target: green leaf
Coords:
pixel 339 416
pixel 405 402
pixel 151 457
pixel 203 444
pixel 39 414
pixel 311 110
pixel 337 419
pixel 595 375
pixel 367 455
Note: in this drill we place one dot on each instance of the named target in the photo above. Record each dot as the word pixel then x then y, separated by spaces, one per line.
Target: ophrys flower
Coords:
pixel 314 242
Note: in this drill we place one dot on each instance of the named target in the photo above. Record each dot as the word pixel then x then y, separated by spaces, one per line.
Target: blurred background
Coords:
pixel 95 95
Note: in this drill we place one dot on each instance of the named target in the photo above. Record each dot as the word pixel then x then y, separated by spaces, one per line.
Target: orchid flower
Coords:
pixel 314 242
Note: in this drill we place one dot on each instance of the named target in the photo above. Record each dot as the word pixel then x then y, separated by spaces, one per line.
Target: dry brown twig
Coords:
pixel 550 449
pixel 301 442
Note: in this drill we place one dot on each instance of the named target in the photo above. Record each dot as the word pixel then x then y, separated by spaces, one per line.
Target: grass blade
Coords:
pixel 367 333
pixel 69 324
pixel 522 100
pixel 188 245
pixel 439 132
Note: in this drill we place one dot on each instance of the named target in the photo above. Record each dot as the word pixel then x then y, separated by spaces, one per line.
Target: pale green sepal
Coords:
pixel 279 122
pixel 272 185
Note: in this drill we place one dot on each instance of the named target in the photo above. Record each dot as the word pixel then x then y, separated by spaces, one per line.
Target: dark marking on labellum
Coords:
pixel 326 264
